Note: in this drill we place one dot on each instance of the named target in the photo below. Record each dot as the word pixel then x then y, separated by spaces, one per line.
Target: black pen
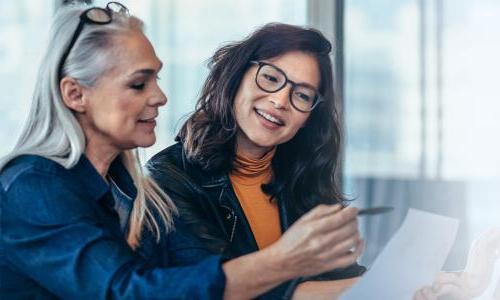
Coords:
pixel 370 211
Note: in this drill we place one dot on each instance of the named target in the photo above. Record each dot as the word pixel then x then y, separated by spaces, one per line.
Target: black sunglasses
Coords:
pixel 96 16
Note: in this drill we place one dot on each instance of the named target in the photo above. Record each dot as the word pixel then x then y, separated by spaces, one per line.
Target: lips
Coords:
pixel 270 117
pixel 147 120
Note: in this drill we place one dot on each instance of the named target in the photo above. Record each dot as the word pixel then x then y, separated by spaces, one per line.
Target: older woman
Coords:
pixel 79 220
pixel 260 151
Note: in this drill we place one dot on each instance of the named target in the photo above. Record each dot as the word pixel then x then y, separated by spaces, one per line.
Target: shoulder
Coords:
pixel 171 168
pixel 170 155
pixel 37 189
pixel 167 167
pixel 29 166
pixel 173 171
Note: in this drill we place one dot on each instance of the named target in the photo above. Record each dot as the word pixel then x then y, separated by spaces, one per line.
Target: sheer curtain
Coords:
pixel 421 108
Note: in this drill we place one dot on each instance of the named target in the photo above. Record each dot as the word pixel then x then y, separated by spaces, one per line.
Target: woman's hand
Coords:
pixel 476 276
pixel 325 238
pixel 321 240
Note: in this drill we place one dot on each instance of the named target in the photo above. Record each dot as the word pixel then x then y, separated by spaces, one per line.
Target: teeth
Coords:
pixel 146 120
pixel 269 117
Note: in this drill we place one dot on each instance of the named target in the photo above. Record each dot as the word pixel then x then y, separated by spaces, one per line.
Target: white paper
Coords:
pixel 411 259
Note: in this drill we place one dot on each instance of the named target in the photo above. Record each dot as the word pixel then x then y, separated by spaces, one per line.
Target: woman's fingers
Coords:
pixel 341 232
pixel 450 290
pixel 447 284
pixel 425 293
pixel 326 238
pixel 349 258
pixel 419 294
pixel 335 220
pixel 447 278
pixel 345 246
pixel 321 211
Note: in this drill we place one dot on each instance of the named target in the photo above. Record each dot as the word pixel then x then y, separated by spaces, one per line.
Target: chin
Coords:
pixel 264 143
pixel 149 144
pixel 146 142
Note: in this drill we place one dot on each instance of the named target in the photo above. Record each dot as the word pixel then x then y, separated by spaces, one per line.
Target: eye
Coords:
pixel 138 86
pixel 302 97
pixel 270 78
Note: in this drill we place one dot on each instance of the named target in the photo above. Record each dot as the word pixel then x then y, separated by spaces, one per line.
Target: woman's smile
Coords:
pixel 269 120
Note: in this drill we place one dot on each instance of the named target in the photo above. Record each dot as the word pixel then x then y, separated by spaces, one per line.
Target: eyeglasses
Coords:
pixel 94 15
pixel 272 79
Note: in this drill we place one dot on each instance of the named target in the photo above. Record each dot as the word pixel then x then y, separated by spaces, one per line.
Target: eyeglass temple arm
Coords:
pixel 70 46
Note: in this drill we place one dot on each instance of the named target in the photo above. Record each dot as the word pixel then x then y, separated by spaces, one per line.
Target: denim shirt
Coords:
pixel 62 235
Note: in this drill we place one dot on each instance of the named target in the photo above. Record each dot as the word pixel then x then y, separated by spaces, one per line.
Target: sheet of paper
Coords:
pixel 411 259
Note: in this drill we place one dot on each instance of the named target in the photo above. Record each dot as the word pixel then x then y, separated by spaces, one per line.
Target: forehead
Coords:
pixel 299 66
pixel 134 51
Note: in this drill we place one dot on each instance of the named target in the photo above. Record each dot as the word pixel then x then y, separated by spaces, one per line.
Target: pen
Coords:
pixel 374 210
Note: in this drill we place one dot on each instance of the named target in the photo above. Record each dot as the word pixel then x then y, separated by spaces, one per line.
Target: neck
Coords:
pixel 248 149
pixel 101 156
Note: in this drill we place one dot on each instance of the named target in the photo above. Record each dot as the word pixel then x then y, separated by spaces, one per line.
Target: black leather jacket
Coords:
pixel 208 205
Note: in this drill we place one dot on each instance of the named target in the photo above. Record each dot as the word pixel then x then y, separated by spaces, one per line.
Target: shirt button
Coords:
pixel 228 216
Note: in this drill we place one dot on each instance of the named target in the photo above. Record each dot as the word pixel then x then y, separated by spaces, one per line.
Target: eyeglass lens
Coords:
pixel 272 80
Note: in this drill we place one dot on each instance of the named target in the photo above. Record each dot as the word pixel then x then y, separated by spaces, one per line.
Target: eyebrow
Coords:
pixel 302 83
pixel 147 71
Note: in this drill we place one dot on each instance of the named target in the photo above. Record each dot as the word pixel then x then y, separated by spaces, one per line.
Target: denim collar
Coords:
pixel 95 186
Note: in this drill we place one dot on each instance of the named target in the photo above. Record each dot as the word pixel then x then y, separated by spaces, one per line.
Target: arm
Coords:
pixel 264 267
pixel 319 241
pixel 57 239
pixel 331 289
pixel 474 279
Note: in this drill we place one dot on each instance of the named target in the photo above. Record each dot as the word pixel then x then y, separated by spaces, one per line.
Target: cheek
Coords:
pixel 117 117
pixel 241 106
pixel 300 121
pixel 246 94
pixel 129 109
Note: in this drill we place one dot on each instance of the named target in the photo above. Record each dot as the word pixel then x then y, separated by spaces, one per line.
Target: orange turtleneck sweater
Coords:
pixel 262 213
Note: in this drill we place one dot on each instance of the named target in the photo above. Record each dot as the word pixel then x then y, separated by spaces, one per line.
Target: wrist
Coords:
pixel 276 262
pixel 266 269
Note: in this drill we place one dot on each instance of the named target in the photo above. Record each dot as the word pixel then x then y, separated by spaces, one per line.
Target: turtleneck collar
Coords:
pixel 247 167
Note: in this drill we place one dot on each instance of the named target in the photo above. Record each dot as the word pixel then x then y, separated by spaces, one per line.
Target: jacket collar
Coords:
pixel 219 180
pixel 94 186
pixel 203 178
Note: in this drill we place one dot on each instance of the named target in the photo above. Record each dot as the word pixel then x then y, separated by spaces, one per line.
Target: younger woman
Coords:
pixel 261 150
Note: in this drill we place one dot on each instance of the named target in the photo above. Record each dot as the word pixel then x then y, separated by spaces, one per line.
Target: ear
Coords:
pixel 72 94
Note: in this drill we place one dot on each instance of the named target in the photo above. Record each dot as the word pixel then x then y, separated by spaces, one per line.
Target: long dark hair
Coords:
pixel 304 167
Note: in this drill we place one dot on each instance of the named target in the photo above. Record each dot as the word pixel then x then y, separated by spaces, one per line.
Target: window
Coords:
pixel 184 33
pixel 421 109
pixel 24 30
pixel 421 92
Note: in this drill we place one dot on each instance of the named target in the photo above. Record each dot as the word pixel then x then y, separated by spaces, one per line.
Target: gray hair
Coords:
pixel 53 132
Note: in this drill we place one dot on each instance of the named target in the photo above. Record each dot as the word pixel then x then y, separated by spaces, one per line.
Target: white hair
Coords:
pixel 53 132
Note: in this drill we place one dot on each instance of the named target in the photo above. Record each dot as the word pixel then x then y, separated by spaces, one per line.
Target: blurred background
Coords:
pixel 419 80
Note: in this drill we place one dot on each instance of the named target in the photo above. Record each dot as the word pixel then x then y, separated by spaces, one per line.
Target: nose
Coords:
pixel 280 99
pixel 158 98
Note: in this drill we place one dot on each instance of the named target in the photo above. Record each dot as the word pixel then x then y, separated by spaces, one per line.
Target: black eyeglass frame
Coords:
pixel 84 19
pixel 317 100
